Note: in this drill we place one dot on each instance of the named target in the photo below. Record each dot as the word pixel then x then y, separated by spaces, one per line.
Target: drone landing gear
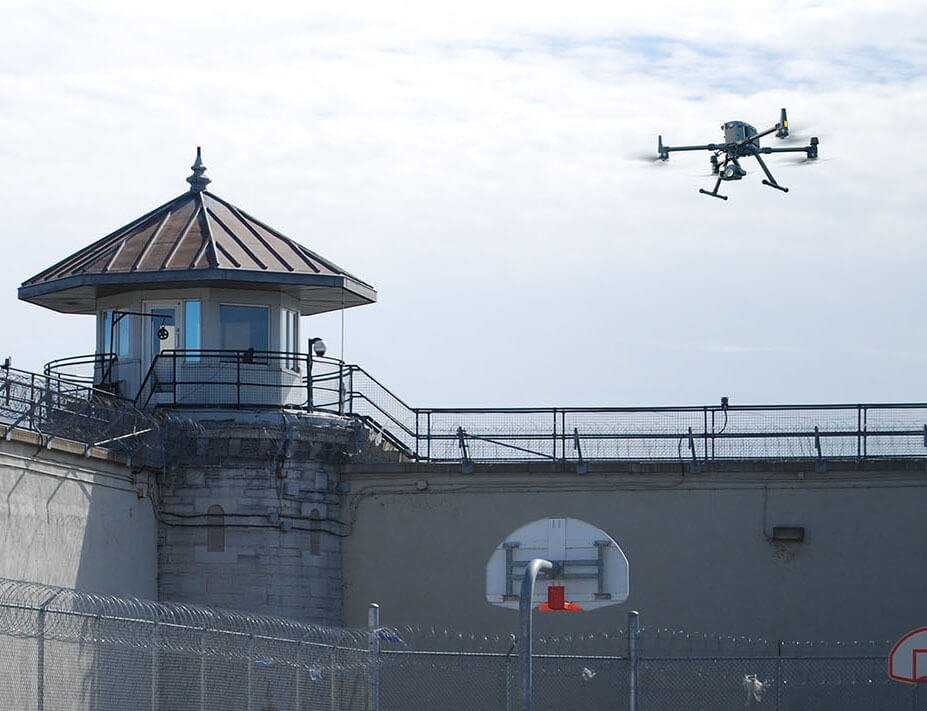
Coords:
pixel 771 181
pixel 713 193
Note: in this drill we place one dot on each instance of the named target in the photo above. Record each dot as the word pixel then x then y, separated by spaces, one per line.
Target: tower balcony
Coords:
pixel 213 379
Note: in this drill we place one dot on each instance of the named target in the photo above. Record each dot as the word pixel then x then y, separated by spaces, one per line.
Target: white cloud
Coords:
pixel 473 164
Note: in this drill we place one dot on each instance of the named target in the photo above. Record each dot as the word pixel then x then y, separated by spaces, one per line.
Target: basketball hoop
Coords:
pixel 556 601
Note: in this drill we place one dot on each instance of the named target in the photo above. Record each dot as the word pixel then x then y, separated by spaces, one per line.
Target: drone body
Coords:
pixel 741 140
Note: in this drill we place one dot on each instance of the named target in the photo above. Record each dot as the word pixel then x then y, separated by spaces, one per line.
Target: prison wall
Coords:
pixel 250 514
pixel 76 520
pixel 702 553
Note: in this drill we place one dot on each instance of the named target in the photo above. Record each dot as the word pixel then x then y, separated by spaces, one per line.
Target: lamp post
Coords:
pixel 317 346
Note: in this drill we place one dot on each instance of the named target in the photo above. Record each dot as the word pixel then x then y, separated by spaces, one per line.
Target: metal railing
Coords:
pixel 571 436
pixel 93 370
pixel 61 408
pixel 226 379
pixel 577 435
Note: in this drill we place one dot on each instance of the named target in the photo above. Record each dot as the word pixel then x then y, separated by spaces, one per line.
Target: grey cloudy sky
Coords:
pixel 476 164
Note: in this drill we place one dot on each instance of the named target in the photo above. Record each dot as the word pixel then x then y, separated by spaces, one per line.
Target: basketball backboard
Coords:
pixel 908 659
pixel 590 569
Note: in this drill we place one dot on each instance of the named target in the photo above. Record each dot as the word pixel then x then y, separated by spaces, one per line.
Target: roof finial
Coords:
pixel 198 181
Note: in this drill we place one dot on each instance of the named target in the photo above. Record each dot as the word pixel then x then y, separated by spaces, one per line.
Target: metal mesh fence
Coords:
pixel 688 434
pixel 675 671
pixel 65 409
pixel 60 649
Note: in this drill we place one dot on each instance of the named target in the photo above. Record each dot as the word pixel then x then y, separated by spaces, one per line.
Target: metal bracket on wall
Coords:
pixel 509 547
pixel 581 467
pixel 466 466
pixel 820 465
pixel 695 467
pixel 563 570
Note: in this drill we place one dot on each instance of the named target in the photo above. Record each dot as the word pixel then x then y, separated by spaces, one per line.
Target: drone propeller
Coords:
pixel 803 162
pixel 797 138
pixel 649 158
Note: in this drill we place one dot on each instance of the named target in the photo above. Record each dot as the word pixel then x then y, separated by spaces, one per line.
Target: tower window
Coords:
pixel 192 320
pixel 243 327
pixel 215 529
pixel 315 535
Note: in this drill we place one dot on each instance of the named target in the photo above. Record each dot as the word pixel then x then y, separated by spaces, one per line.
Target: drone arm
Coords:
pixel 709 147
pixel 795 149
pixel 760 135
pixel 810 150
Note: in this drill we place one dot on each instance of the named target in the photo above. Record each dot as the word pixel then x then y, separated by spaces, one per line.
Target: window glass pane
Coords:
pixel 285 328
pixel 243 327
pixel 290 330
pixel 191 329
pixel 106 325
pixel 124 336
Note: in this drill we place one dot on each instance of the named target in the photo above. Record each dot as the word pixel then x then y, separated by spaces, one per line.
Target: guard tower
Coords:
pixel 198 307
pixel 197 304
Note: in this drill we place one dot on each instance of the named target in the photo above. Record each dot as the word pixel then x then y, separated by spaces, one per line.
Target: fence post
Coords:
pixel 634 660
pixel 298 650
pixel 778 674
pixel 154 667
pixel 250 671
pixel 96 664
pixel 202 704
pixel 333 676
pixel 40 655
pixel 510 669
pixel 40 661
pixel 373 686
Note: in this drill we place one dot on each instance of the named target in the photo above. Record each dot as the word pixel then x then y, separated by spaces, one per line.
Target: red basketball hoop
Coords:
pixel 556 601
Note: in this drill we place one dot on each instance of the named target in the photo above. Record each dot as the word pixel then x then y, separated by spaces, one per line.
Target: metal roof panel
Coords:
pixel 211 240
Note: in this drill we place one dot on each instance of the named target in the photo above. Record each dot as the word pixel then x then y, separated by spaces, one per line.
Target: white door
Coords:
pixel 162 330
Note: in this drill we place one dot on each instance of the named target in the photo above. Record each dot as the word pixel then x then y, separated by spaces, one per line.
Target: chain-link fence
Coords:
pixel 61 649
pixel 672 670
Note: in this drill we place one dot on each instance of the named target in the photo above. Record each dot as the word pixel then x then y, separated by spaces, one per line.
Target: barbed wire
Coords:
pixel 69 615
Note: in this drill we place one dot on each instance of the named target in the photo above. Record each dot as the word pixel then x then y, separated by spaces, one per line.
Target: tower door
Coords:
pixel 162 330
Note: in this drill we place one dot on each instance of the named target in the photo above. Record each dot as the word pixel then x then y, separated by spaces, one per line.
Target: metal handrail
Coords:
pixel 509 432
pixel 199 359
pixel 58 368
pixel 61 408
pixel 693 434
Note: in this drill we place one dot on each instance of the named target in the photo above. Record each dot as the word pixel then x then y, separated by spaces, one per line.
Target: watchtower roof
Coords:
pixel 196 239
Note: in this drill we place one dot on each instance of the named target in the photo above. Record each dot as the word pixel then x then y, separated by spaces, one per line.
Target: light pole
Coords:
pixel 317 346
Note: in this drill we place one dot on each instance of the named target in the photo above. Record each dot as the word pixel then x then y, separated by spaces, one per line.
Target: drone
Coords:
pixel 741 140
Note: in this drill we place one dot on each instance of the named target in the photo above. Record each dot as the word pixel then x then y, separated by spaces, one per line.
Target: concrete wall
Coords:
pixel 74 521
pixel 699 546
pixel 275 477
